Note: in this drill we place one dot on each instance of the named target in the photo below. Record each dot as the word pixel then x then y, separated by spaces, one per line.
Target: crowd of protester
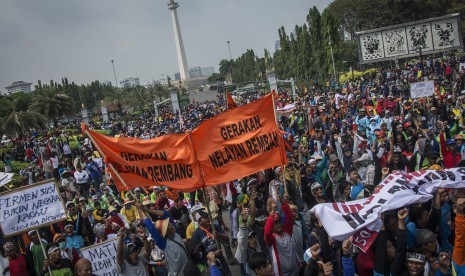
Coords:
pixel 342 142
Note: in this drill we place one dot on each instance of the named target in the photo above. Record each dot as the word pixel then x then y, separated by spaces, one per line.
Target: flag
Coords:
pixel 231 103
pixel 168 160
pixel 239 142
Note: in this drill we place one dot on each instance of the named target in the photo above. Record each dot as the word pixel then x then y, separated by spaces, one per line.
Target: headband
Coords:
pixel 415 257
pixel 52 248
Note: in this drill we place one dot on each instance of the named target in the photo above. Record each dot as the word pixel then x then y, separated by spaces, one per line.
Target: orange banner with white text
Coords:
pixel 239 142
pixel 163 161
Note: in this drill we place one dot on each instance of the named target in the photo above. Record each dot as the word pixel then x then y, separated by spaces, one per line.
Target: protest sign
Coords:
pixel 168 160
pixel 287 109
pixel 421 89
pixel 102 256
pixel 362 218
pixel 239 142
pixel 5 178
pixel 31 207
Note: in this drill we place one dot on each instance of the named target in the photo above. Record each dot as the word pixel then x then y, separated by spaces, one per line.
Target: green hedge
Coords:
pixel 17 166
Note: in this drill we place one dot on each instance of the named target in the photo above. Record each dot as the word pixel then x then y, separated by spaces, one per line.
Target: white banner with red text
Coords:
pixel 361 219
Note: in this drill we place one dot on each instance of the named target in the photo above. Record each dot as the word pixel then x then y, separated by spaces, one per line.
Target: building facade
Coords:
pixel 129 82
pixel 18 86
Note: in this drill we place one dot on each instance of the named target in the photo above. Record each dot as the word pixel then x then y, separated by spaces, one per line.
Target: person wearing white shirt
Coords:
pixel 82 179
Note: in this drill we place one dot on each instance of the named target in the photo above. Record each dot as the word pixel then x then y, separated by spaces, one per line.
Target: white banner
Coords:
pixel 30 207
pixel 421 89
pixel 287 109
pixel 5 178
pixel 102 256
pixel 362 218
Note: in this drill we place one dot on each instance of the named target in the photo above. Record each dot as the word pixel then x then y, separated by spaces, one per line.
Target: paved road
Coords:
pixel 203 96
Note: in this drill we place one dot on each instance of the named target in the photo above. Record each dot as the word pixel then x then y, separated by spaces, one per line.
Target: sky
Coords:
pixel 52 39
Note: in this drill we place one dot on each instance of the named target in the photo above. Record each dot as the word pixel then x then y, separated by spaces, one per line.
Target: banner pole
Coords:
pixel 43 250
pixel 86 131
pixel 283 163
pixel 202 177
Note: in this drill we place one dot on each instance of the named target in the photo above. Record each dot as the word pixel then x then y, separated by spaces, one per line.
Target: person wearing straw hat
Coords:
pixel 56 264
pixel 129 211
pixel 34 253
pixel 116 218
pixel 68 184
pixel 166 238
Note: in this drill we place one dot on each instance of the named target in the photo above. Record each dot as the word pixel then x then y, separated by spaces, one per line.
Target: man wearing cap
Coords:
pixel 34 255
pixel 314 173
pixel 278 237
pixel 316 195
pixel 449 152
pixel 139 195
pixel 206 236
pixel 247 243
pixel 68 183
pixel 128 260
pixel 129 211
pixel 332 177
pixel 166 238
pixel 105 198
pixel 407 262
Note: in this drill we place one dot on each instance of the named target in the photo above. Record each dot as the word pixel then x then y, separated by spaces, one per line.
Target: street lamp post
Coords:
pixel 229 46
pixel 114 72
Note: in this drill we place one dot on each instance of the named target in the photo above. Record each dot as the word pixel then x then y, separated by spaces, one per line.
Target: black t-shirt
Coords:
pixel 176 213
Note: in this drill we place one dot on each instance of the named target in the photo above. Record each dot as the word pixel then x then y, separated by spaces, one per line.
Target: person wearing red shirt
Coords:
pixel 16 261
pixel 450 155
pixel 278 236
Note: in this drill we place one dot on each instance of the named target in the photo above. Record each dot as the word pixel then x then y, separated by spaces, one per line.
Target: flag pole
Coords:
pixel 283 163
pixel 202 177
pixel 86 131
pixel 43 250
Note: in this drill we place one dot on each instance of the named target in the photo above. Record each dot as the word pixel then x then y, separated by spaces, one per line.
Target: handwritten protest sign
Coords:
pixel 31 207
pixel 421 89
pixel 102 256
pixel 5 178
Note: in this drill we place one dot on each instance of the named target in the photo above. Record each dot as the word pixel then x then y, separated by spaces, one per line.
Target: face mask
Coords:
pixel 62 245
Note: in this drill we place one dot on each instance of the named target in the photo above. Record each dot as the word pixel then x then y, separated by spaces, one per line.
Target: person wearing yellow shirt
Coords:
pixel 129 211
pixel 193 225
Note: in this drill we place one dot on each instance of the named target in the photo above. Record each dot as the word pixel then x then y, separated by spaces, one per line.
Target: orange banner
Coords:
pixel 167 160
pixel 239 142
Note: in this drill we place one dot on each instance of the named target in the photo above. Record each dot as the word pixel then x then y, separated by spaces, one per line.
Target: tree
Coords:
pixel 226 69
pixel 18 123
pixel 52 103
pixel 215 78
pixel 330 40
